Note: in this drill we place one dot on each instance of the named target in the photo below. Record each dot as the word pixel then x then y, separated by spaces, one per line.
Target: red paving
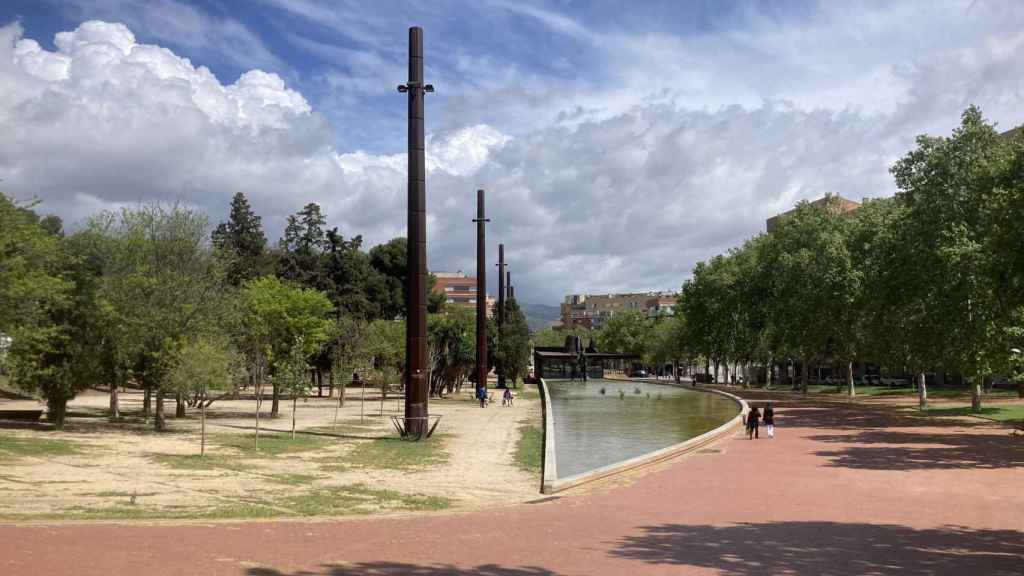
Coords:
pixel 840 491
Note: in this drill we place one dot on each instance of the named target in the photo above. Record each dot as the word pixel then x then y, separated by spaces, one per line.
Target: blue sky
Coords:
pixel 620 143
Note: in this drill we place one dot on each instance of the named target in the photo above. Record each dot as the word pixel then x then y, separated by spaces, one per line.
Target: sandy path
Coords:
pixel 117 464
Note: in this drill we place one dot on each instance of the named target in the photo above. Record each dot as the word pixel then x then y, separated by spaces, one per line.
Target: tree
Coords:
pixel 389 260
pixel 303 243
pixel 277 315
pixel 668 343
pixel 812 286
pixel 202 364
pixel 949 187
pixel 38 310
pixel 451 340
pixel 162 285
pixel 292 374
pixel 385 343
pixel 556 336
pixel 32 264
pixel 626 332
pixel 242 242
pixel 513 354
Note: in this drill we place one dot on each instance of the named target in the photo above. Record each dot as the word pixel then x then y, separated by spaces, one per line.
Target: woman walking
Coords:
pixel 769 420
pixel 752 420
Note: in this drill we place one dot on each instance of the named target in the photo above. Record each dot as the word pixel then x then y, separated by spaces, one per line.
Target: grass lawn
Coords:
pixel 1010 413
pixel 529 448
pixel 830 389
pixel 397 454
pixel 13 447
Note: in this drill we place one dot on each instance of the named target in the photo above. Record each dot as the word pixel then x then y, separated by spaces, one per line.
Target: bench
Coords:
pixel 21 415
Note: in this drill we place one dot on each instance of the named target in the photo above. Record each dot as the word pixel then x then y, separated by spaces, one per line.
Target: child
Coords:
pixel 507 397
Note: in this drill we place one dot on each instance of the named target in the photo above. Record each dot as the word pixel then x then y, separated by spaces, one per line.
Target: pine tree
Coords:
pixel 242 240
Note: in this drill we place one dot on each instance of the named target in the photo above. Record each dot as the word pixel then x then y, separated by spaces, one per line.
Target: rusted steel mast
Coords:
pixel 481 294
pixel 416 385
pixel 501 302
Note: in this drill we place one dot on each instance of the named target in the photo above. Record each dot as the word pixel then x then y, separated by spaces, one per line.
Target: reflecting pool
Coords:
pixel 602 422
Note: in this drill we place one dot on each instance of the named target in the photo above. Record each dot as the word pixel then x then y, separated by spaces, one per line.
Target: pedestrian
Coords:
pixel 769 419
pixel 482 395
pixel 752 417
pixel 506 398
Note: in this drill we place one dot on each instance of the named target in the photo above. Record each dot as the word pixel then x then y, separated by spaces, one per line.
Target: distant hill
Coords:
pixel 540 316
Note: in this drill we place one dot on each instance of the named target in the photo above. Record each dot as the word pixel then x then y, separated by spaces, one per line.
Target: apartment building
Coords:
pixel 460 290
pixel 593 310
pixel 831 202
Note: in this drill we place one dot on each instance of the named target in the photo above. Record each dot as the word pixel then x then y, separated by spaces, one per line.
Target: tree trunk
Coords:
pixel 159 424
pixel 922 392
pixel 295 401
pixel 769 369
pixel 275 401
pixel 976 394
pixel 115 405
pixel 202 428
pixel 56 411
pixel 849 379
pixel 179 406
pixel 803 375
pixel 147 402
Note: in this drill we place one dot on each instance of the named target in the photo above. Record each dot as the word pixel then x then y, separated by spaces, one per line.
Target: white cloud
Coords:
pixel 618 183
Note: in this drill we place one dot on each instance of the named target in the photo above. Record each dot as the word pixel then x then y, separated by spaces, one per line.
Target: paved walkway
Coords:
pixel 840 491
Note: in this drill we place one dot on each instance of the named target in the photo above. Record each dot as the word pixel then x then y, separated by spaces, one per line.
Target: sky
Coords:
pixel 619 143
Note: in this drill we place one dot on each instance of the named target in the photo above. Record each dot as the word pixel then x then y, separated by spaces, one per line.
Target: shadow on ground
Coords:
pixel 403 569
pixel 898 450
pixel 887 438
pixel 829 549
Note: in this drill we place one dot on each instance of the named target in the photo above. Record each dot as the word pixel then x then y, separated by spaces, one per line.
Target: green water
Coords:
pixel 629 419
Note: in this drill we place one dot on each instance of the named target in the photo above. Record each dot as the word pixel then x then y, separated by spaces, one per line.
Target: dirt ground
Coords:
pixel 102 470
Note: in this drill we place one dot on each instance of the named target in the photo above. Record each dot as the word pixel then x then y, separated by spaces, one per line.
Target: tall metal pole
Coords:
pixel 481 294
pixel 416 385
pixel 501 302
pixel 508 285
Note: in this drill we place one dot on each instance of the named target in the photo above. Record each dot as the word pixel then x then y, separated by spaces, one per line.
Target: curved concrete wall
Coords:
pixel 551 483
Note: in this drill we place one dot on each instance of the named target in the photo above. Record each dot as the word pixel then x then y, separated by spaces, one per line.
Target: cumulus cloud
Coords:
pixel 619 188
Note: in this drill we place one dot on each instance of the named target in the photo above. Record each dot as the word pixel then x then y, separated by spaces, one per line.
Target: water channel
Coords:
pixel 602 422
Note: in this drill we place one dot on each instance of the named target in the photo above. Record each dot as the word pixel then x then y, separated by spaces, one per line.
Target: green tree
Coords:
pixel 43 310
pixel 162 285
pixel 551 336
pixel 277 315
pixel 626 332
pixel 32 266
pixel 203 364
pixel 512 357
pixel 949 187
pixel 812 287
pixel 291 375
pixel 385 343
pixel 389 260
pixel 242 242
pixel 302 246
pixel 451 342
